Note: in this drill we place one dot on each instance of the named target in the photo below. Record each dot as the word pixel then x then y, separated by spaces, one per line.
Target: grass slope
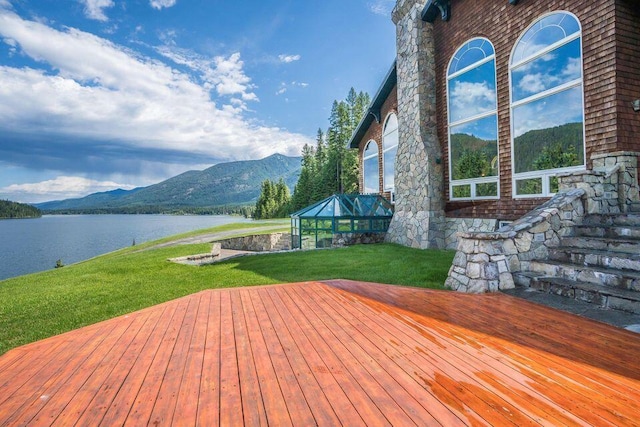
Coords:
pixel 40 305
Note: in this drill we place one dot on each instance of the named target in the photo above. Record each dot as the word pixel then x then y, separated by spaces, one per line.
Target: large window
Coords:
pixel 473 122
pixel 371 169
pixel 547 113
pixel 389 150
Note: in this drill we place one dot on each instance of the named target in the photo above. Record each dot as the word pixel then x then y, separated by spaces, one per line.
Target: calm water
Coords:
pixel 30 245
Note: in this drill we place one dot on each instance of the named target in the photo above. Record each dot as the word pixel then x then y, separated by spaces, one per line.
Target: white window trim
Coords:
pixel 481 180
pixel 548 173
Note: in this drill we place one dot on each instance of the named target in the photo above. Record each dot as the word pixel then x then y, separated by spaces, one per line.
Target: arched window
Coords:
pixel 389 150
pixel 547 112
pixel 473 122
pixel 371 169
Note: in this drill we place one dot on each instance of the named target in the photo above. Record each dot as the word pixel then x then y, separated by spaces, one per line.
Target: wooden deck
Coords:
pixel 334 353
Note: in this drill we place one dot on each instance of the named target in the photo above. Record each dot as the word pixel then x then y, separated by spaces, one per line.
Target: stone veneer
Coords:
pixel 485 261
pixel 612 184
pixel 418 220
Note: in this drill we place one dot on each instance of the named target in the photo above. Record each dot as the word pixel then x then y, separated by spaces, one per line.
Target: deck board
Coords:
pixel 332 353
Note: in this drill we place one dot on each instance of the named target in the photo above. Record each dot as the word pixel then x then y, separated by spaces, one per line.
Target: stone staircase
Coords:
pixel 599 263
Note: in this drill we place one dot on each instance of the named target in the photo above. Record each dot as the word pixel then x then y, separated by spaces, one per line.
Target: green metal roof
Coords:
pixel 348 206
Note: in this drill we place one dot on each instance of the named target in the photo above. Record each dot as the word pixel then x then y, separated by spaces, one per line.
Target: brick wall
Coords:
pixel 502 24
pixel 628 73
pixel 375 133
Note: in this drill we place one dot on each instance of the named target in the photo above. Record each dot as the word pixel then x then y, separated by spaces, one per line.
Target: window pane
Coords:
pixel 487 189
pixel 344 225
pixel 554 185
pixel 474 149
pixel 529 186
pixel 545 32
pixel 557 67
pixel 473 92
pixel 462 191
pixel 389 166
pixel 371 175
pixel 549 132
pixel 474 51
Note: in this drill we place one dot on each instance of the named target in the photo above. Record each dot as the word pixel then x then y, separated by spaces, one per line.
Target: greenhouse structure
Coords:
pixel 340 220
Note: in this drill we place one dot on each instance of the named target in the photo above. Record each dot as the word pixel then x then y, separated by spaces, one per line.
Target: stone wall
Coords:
pixel 418 220
pixel 257 243
pixel 485 261
pixel 455 225
pixel 611 186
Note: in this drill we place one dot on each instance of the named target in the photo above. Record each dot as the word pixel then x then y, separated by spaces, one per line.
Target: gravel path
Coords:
pixel 210 237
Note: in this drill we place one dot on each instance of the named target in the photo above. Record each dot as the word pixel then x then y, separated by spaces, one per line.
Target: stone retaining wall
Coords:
pixel 455 225
pixel 257 243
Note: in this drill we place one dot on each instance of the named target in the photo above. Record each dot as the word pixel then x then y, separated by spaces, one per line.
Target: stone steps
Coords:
pixel 629 232
pixel 625 245
pixel 598 263
pixel 596 258
pixel 603 296
pixel 610 277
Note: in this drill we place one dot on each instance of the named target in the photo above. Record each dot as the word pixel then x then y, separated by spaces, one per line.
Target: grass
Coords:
pixel 40 305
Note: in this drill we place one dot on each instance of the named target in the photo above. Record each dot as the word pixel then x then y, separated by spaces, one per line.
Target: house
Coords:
pixel 494 108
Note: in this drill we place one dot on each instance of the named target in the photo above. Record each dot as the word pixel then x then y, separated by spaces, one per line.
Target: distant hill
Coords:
pixel 530 145
pixel 17 210
pixel 233 183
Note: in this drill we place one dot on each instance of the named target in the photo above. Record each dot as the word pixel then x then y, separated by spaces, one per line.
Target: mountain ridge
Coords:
pixel 232 183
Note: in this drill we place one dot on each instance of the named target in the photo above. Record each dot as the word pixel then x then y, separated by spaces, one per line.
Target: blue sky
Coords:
pixel 104 94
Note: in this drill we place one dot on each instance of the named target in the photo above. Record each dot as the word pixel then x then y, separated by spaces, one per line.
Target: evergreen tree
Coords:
pixel 332 167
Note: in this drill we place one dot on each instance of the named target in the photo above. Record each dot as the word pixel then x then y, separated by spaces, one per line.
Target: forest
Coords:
pixel 328 168
pixel 10 209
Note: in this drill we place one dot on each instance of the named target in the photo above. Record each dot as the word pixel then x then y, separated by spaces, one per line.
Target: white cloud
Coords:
pixel 61 187
pixel 94 9
pixel 159 4
pixel 289 58
pixel 102 91
pixel 471 98
pixel 281 91
pixel 382 7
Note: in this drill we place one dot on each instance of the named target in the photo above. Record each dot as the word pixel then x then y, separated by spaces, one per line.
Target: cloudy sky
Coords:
pixel 104 94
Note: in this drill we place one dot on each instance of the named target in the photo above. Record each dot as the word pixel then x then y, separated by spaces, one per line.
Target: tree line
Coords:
pixel 329 167
pixel 10 209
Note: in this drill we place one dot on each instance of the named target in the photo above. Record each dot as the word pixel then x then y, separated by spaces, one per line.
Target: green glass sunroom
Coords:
pixel 317 226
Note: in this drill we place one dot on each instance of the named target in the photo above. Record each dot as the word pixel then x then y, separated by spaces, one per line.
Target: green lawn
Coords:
pixel 40 305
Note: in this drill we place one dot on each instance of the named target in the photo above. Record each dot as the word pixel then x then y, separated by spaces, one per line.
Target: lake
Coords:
pixel 31 245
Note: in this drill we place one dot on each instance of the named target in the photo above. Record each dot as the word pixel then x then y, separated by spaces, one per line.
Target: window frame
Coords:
pixel 547 174
pixel 365 157
pixel 472 182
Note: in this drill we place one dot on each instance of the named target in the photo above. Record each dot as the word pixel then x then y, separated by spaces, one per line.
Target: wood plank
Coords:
pixel 209 395
pixel 130 386
pixel 517 321
pixel 92 375
pixel 252 405
pixel 145 400
pixel 322 411
pixel 331 390
pixel 230 395
pixel 584 405
pixel 186 409
pixel 33 395
pixel 297 406
pixel 165 402
pixel 379 385
pixel 273 400
pixel 333 361
pixel 443 361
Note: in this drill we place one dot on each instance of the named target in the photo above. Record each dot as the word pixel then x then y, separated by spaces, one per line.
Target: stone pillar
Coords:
pixel 418 220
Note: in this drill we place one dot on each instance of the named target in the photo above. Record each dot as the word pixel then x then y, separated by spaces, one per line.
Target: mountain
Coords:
pixel 233 183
